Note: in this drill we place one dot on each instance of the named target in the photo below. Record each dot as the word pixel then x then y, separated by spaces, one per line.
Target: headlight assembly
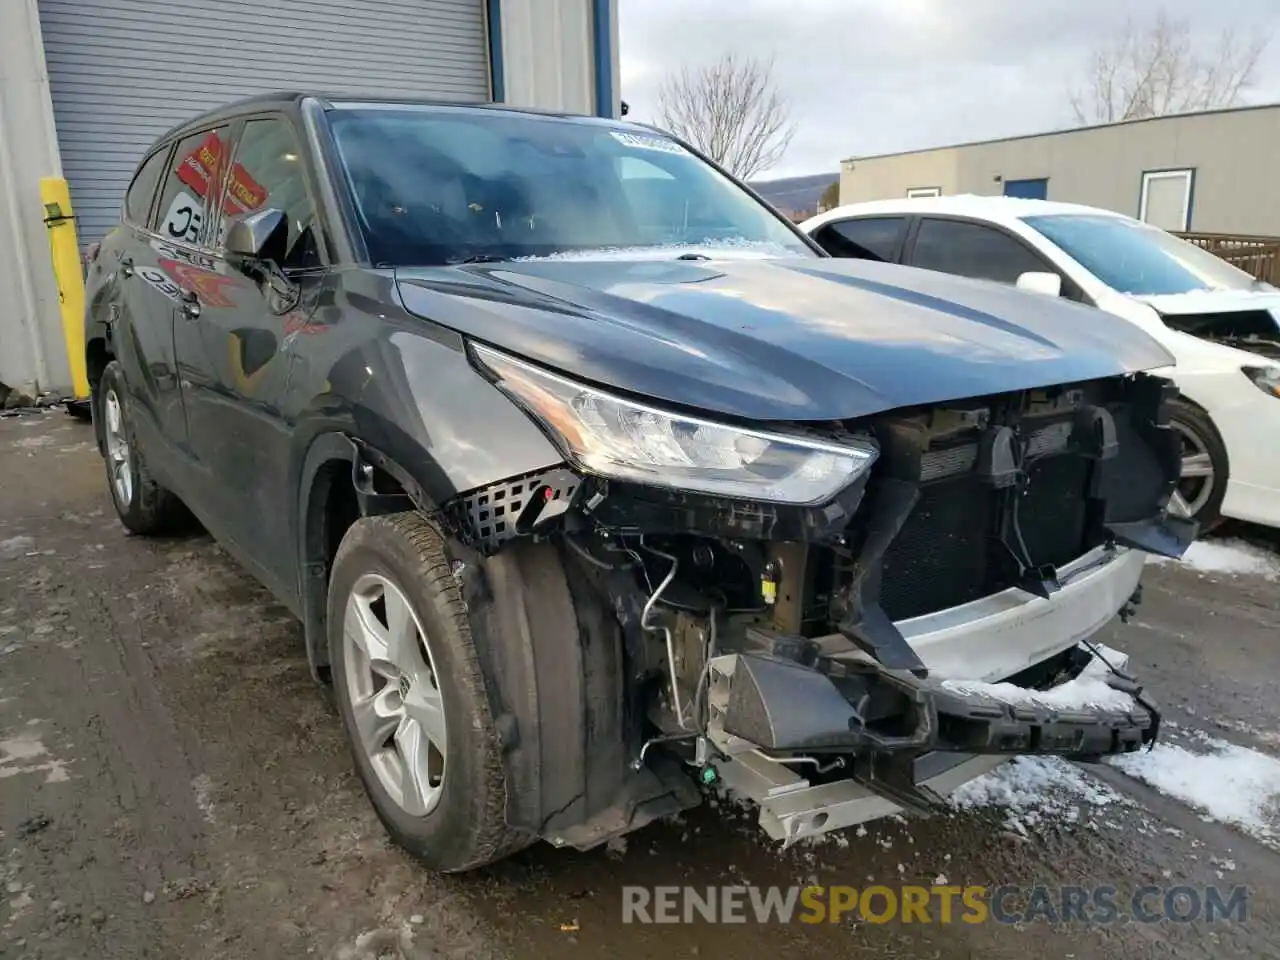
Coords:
pixel 1266 379
pixel 614 437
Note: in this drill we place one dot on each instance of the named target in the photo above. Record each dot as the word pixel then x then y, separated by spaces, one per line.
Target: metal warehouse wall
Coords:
pixel 32 353
pixel 1233 153
pixel 544 51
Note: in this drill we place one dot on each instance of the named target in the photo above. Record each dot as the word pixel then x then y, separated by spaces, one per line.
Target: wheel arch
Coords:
pixel 341 480
pixel 550 646
pixel 1200 408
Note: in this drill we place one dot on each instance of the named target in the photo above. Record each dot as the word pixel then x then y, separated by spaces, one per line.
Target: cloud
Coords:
pixel 873 76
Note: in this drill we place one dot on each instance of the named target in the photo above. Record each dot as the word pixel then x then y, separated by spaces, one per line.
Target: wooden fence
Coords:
pixel 1257 256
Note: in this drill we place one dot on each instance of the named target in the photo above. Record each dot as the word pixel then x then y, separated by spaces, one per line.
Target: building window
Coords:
pixel 924 192
pixel 1166 199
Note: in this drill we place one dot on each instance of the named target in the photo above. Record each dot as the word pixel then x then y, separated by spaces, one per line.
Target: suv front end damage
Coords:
pixel 837 652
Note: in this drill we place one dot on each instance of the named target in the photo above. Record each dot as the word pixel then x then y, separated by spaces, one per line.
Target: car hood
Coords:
pixel 1214 301
pixel 781 339
pixel 1239 320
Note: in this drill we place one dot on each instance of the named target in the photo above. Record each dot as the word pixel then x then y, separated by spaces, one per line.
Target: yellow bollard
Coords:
pixel 68 271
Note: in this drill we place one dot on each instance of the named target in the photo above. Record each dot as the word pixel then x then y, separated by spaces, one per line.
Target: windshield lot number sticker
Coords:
pixel 641 142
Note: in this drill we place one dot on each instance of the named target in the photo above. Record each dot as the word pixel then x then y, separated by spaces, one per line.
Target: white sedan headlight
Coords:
pixel 613 437
pixel 1266 379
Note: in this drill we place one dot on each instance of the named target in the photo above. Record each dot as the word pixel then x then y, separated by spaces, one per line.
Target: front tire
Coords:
pixel 144 507
pixel 1203 482
pixel 412 695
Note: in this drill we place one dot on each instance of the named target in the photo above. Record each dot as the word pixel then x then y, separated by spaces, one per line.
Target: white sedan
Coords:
pixel 1220 324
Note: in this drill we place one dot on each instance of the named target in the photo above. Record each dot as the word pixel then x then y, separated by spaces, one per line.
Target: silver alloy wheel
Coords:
pixel 1197 483
pixel 118 450
pixel 394 695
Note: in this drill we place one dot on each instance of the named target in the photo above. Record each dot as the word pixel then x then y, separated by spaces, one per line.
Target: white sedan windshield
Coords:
pixel 1135 258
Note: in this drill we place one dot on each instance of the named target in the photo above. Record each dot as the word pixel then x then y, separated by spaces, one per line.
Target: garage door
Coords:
pixel 122 72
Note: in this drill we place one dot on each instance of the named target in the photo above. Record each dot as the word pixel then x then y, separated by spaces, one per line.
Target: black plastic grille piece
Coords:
pixel 939 558
pixel 948 552
pixel 1052 509
pixel 487 516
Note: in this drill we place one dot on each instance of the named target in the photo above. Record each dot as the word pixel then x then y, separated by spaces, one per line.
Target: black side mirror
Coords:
pixel 257 236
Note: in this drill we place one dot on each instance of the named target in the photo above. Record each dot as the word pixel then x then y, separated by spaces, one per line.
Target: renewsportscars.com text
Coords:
pixel 1096 905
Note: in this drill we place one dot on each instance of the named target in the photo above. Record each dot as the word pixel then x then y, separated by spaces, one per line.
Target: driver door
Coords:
pixel 241 329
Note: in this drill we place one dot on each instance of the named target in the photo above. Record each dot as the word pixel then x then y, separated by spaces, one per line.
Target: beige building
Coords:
pixel 1214 172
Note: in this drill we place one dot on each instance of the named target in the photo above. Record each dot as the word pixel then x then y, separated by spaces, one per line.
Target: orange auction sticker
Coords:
pixel 205 164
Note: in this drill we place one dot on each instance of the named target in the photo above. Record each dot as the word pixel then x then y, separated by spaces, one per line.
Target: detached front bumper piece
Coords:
pixel 889 736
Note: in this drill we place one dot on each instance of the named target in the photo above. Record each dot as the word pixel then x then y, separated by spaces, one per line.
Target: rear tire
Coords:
pixel 413 676
pixel 144 507
pixel 1205 467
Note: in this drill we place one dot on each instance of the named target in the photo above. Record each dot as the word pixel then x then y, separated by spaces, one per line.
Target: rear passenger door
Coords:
pixel 177 256
pixel 863 238
pixel 139 310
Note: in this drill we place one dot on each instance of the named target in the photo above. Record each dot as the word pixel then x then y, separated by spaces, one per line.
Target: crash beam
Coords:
pixel 791 809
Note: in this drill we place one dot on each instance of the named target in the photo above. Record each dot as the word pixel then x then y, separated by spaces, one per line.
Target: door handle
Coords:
pixel 190 305
pixel 126 266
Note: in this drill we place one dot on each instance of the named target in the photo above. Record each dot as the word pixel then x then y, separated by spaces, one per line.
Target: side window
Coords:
pixel 267 174
pixel 196 169
pixel 870 238
pixel 973 250
pixel 137 202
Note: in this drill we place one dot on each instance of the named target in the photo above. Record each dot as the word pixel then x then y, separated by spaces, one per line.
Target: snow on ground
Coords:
pixel 1089 689
pixel 1038 791
pixel 1236 557
pixel 1222 781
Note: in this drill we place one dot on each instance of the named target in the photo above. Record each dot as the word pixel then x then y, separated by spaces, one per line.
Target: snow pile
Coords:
pixel 1088 690
pixel 1234 557
pixel 12 547
pixel 1035 791
pixel 1229 783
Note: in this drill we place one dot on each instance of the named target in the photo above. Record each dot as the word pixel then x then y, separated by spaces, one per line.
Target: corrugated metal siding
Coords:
pixel 122 72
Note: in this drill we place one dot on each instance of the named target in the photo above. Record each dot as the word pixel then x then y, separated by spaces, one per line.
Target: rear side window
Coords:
pixel 137 202
pixel 973 250
pixel 190 181
pixel 871 238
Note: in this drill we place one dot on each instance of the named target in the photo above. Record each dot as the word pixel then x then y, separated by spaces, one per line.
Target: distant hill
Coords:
pixel 795 194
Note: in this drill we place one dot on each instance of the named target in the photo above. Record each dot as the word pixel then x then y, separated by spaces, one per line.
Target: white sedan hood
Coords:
pixel 1215 301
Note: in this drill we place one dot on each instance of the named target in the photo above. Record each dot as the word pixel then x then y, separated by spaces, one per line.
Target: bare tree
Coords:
pixel 830 198
pixel 731 111
pixel 1159 69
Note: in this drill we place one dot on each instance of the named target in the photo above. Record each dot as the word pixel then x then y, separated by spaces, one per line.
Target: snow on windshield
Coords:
pixel 728 249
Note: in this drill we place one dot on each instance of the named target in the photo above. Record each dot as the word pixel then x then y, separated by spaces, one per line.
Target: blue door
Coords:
pixel 1028 189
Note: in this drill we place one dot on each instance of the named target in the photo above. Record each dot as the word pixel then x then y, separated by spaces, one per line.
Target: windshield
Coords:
pixel 436 185
pixel 1133 257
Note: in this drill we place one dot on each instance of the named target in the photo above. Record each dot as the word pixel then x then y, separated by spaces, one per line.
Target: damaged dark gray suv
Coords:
pixel 597 486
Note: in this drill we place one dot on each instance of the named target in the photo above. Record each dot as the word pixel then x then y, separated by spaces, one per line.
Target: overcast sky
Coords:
pixel 873 76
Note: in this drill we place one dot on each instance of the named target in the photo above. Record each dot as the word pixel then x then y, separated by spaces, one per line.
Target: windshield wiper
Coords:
pixel 693 256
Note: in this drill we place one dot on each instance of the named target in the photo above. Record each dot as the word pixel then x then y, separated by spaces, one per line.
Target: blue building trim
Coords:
pixel 497 82
pixel 602 30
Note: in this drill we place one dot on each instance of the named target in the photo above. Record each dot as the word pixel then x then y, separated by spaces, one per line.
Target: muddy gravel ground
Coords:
pixel 172 784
